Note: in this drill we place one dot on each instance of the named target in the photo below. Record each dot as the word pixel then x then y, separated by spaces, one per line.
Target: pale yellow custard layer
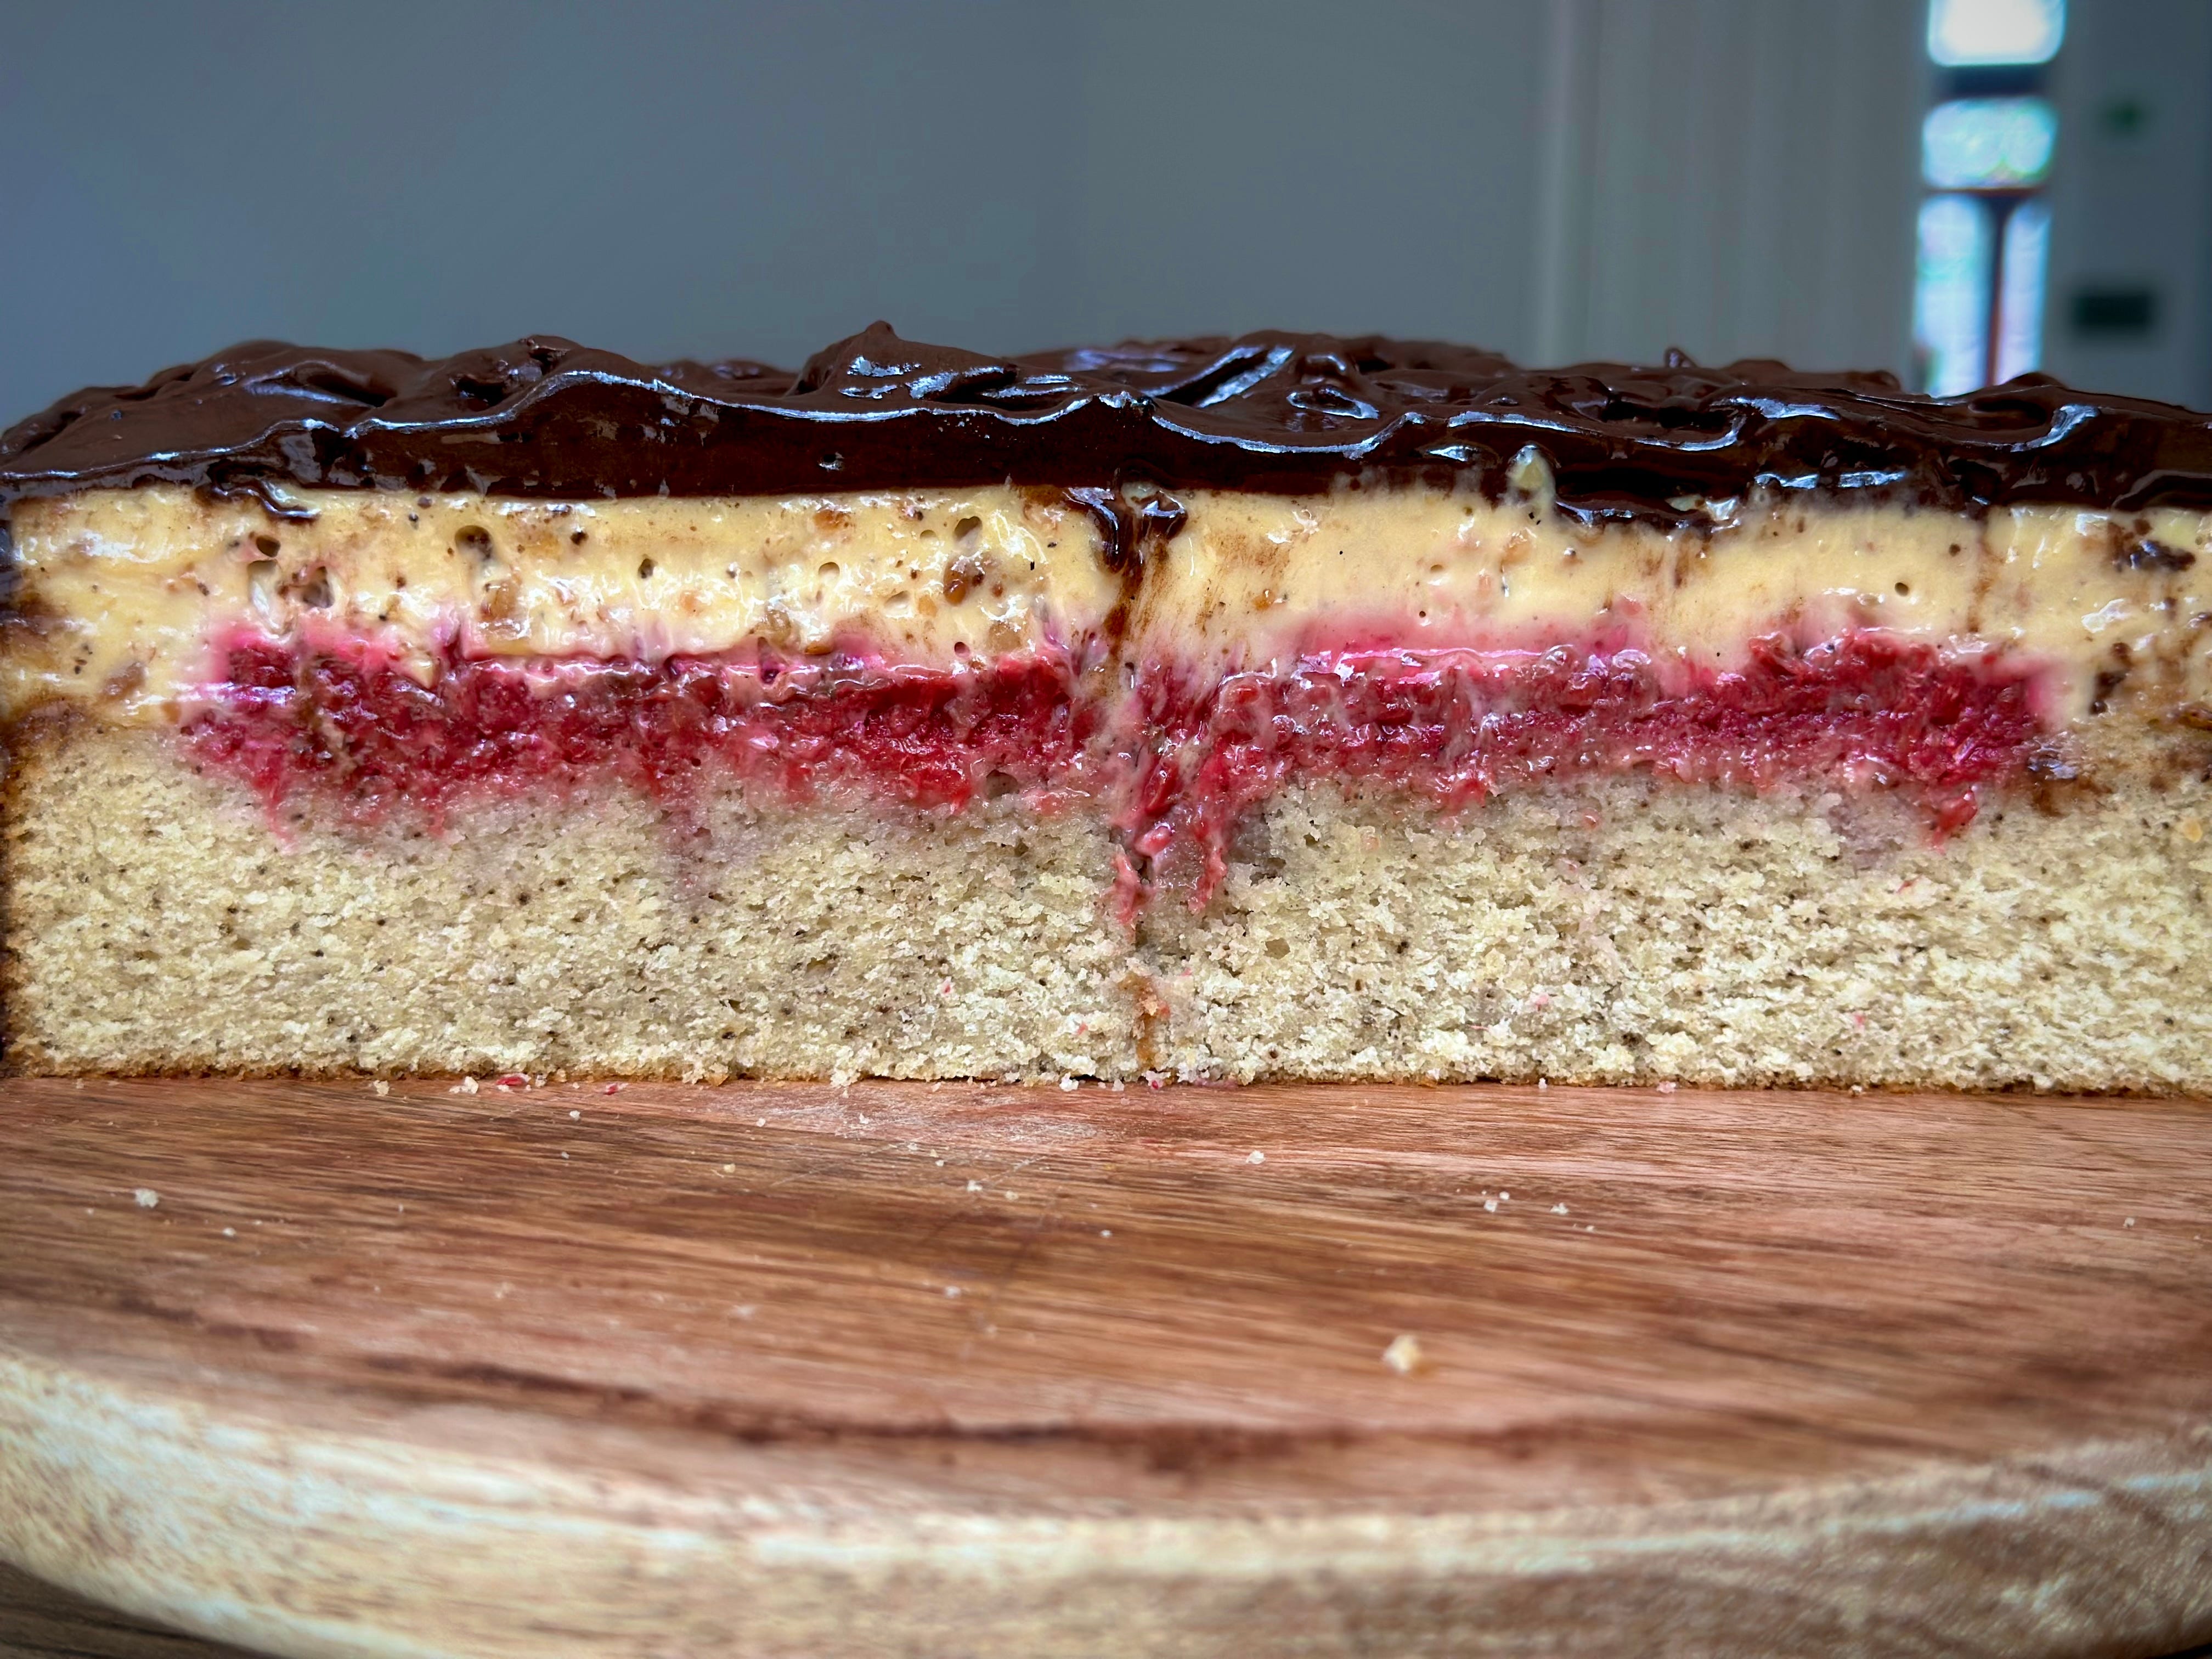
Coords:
pixel 124 594
pixel 128 589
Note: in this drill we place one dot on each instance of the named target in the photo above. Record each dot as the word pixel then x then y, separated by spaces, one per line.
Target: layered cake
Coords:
pixel 1285 707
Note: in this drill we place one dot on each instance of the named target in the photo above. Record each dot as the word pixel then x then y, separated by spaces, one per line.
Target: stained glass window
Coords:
pixel 1988 143
pixel 1985 151
pixel 1950 299
pixel 2020 299
pixel 1967 33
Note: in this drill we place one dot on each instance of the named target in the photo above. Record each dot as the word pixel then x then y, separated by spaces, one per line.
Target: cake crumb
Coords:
pixel 1105 1232
pixel 729 1169
pixel 1228 1031
pixel 2129 1221
pixel 1490 1205
pixel 1559 1209
pixel 1403 1356
pixel 574 1113
pixel 147 1198
pixel 230 1232
pixel 467 1085
pixel 613 1089
pixel 1257 1157
pixel 974 1186
pixel 1069 1085
pixel 1667 1087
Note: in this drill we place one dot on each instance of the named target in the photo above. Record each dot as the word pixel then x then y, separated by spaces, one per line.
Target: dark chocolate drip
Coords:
pixel 1270 411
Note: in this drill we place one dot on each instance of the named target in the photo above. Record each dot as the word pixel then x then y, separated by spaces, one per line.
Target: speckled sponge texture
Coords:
pixel 1614 932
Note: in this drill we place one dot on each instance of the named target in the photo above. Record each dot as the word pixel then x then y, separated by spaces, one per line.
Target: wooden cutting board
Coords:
pixel 962 1370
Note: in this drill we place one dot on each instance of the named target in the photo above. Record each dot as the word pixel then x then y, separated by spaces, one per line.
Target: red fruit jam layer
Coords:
pixel 1175 761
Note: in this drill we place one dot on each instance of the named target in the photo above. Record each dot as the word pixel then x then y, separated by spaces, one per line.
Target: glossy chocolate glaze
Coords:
pixel 1270 412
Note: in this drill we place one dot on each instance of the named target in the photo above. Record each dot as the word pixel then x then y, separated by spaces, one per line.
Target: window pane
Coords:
pixel 2020 303
pixel 1961 32
pixel 1988 143
pixel 1951 290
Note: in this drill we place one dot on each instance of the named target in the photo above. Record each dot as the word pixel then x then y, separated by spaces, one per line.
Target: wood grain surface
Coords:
pixel 38 1622
pixel 786 1371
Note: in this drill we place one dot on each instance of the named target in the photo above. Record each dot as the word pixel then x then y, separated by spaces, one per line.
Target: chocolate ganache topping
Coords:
pixel 1270 412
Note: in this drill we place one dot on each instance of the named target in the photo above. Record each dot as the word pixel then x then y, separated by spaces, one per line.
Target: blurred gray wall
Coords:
pixel 2131 198
pixel 1739 177
pixel 1557 179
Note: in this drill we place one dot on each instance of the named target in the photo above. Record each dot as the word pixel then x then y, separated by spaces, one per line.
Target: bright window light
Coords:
pixel 1988 143
pixel 1963 34
pixel 2019 301
pixel 1951 292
